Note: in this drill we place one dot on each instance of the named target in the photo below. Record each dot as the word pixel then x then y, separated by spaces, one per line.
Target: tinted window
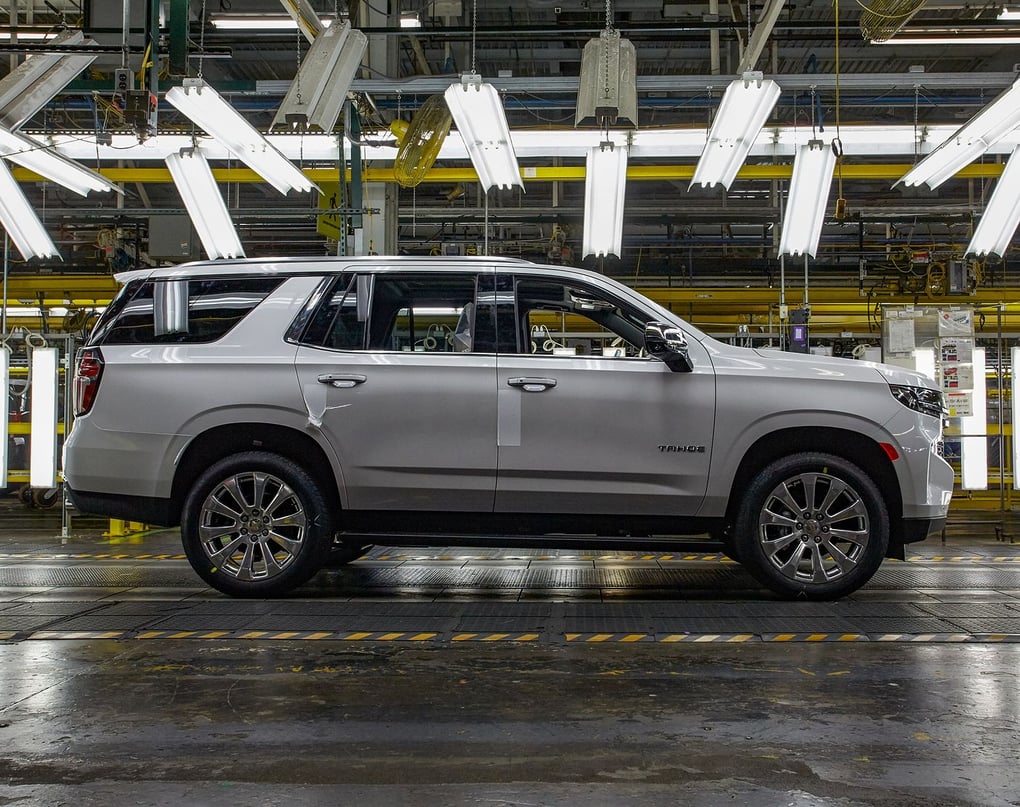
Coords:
pixel 184 311
pixel 426 313
pixel 339 322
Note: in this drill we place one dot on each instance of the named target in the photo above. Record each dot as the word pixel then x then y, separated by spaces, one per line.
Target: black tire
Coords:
pixel 256 524
pixel 821 552
pixel 340 554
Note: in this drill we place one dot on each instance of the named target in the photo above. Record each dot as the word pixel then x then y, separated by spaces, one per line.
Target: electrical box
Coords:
pixel 140 111
pixel 956 277
pixel 123 81
pixel 799 330
pixel 172 238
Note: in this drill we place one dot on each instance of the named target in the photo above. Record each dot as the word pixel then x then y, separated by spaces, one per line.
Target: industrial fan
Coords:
pixel 420 141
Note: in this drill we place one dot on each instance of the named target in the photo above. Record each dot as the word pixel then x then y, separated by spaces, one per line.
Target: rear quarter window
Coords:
pixel 182 311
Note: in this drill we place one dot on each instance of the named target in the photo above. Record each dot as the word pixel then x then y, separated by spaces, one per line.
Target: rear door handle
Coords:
pixel 532 384
pixel 342 381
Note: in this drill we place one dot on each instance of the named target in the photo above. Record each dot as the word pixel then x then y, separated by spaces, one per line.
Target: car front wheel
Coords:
pixel 812 525
pixel 256 524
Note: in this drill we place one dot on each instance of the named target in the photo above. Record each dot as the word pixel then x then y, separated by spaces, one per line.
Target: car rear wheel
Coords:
pixel 812 525
pixel 256 525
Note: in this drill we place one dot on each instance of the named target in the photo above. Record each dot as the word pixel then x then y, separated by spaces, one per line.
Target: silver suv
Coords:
pixel 289 413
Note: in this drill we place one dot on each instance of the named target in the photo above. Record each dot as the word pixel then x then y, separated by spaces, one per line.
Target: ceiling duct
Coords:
pixel 881 19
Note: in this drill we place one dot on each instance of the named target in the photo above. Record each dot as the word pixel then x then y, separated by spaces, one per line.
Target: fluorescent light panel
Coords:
pixel 42 468
pixel 258 22
pixel 971 140
pixel 35 156
pixel 206 107
pixel 995 229
pixel 974 442
pixel 605 184
pixel 908 39
pixel 204 202
pixel 481 122
pixel 745 107
pixel 20 221
pixel 5 414
pixel 1015 404
pixel 809 196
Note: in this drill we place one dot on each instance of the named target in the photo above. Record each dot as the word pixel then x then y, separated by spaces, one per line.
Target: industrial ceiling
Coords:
pixel 830 74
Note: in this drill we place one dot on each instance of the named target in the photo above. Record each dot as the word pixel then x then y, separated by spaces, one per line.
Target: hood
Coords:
pixel 808 364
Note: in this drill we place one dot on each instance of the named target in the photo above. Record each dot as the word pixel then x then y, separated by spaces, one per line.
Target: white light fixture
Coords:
pixel 20 220
pixel 481 122
pixel 318 92
pixel 995 230
pixel 809 195
pixel 968 142
pixel 949 39
pixel 258 22
pixel 605 183
pixel 974 440
pixel 745 107
pixel 1009 14
pixel 204 202
pixel 24 36
pixel 34 156
pixel 206 107
pixel 5 381
pixel 410 19
pixel 42 468
pixel 1015 404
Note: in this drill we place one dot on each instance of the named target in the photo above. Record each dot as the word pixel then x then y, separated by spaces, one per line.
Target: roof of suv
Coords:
pixel 301 265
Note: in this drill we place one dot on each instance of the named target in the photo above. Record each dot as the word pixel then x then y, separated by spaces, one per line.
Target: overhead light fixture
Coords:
pixel 605 184
pixel 808 198
pixel 995 230
pixel 481 122
pixel 1009 14
pixel 34 156
pixel 745 107
pixel 36 81
pixel 42 460
pixel 259 22
pixel 968 142
pixel 20 220
pixel 607 86
pixel 204 202
pixel 206 107
pixel 318 92
pixel 5 401
pixel 952 39
pixel 410 19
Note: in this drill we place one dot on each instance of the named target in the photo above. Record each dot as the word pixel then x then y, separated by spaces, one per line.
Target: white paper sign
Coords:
pixel 960 404
pixel 901 336
pixel 956 323
pixel 957 377
pixel 956 350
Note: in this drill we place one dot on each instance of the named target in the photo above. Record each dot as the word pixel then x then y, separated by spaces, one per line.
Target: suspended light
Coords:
pixel 42 468
pixel 745 107
pixel 809 195
pixel 605 183
pixel 20 220
pixel 970 141
pixel 34 156
pixel 995 230
pixel 207 108
pixel 197 187
pixel 481 122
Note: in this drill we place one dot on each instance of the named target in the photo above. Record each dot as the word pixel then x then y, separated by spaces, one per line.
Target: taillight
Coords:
pixel 87 372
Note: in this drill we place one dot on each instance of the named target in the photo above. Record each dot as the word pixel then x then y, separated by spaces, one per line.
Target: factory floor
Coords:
pixel 481 677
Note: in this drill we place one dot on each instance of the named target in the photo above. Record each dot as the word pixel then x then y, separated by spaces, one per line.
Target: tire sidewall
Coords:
pixel 318 532
pixel 749 546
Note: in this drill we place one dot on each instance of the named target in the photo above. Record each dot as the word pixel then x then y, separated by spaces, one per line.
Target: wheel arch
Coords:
pixel 859 449
pixel 221 441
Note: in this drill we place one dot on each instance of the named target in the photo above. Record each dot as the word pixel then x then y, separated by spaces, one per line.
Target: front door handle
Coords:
pixel 532 384
pixel 342 381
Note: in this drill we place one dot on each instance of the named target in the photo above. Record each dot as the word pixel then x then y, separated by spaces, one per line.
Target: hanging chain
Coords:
pixel 917 139
pixel 814 132
pixel 474 30
pixel 609 16
pixel 607 36
pixel 201 40
pixel 297 62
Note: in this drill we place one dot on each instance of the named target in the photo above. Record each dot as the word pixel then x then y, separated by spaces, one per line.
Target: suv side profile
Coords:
pixel 288 413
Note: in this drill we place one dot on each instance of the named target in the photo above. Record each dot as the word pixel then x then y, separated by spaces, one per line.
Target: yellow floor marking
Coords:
pixel 422 637
pixel 783 637
pixel 389 637
pixel 184 634
pixel 495 637
pixel 634 637
pixel 254 634
pixel 215 634
pixel 741 637
pixel 849 637
pixel 463 637
pixel 674 637
pixel 571 636
pixel 816 637
pixel 356 636
pixel 149 634
pixel 708 637
pixel 526 637
pixel 599 637
pixel 286 634
pixel 319 635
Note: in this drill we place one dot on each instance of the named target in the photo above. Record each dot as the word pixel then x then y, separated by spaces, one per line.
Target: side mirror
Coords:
pixel 667 343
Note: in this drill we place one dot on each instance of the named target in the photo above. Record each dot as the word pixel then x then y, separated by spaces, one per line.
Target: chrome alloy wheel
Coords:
pixel 814 527
pixel 252 525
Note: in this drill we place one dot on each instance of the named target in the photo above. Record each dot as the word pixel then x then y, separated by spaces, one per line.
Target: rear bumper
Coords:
pixel 146 509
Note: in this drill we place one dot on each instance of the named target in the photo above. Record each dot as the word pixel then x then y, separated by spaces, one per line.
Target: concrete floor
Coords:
pixel 928 719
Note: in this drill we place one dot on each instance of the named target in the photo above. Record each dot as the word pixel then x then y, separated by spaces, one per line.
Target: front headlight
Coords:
pixel 925 400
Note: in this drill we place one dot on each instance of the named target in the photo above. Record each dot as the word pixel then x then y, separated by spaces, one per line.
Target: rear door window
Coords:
pixel 183 311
